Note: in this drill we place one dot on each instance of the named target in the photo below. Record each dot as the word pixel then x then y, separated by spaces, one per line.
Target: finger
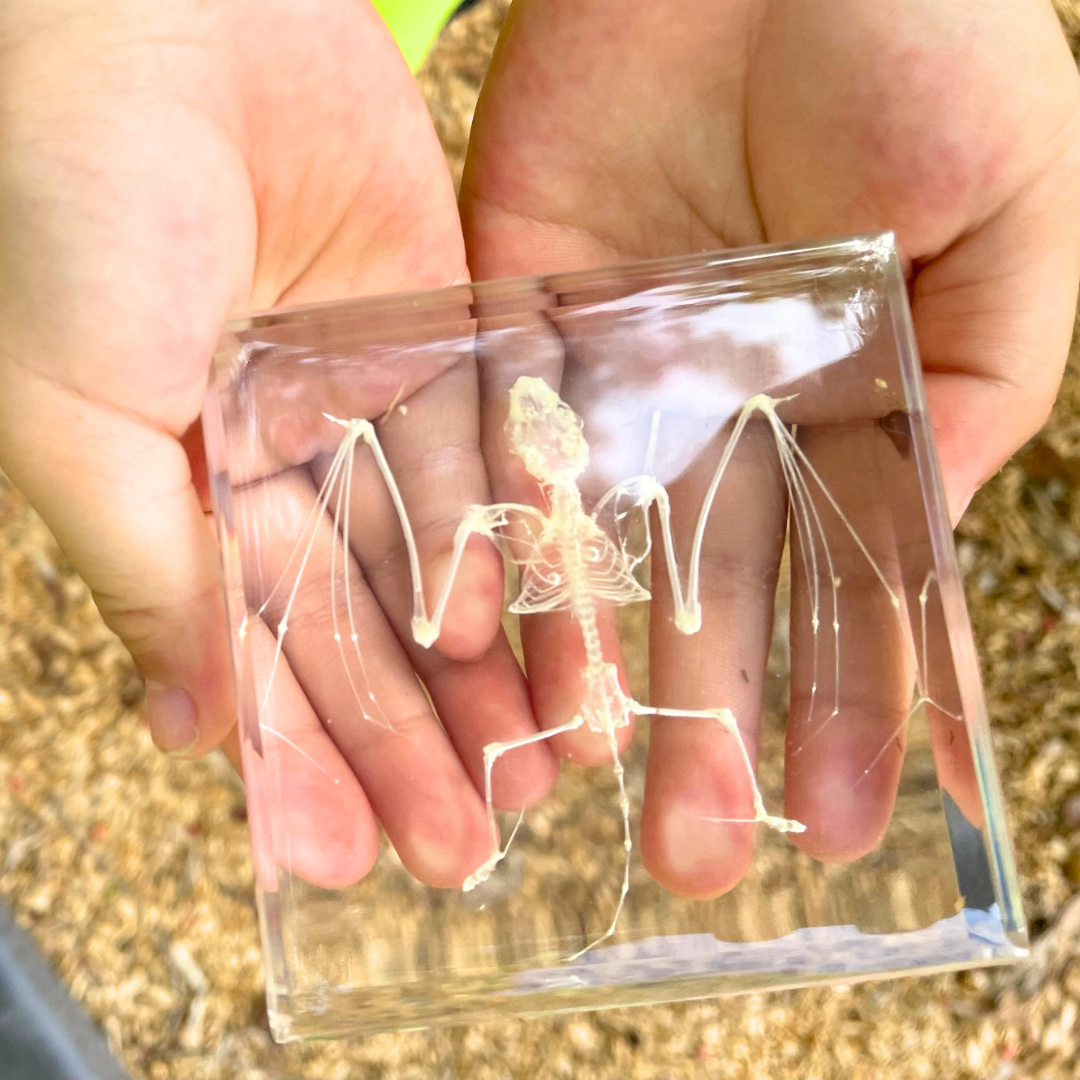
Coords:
pixel 553 643
pixel 351 668
pixel 434 456
pixel 556 663
pixel 993 316
pixel 150 558
pixel 852 668
pixel 502 243
pixel 477 702
pixel 695 771
pixel 938 658
pixel 487 701
pixel 321 824
pixel 946 718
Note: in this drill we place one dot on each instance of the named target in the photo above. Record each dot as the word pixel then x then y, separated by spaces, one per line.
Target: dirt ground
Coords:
pixel 133 872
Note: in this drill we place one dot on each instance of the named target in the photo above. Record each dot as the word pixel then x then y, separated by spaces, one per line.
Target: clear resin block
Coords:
pixel 599 640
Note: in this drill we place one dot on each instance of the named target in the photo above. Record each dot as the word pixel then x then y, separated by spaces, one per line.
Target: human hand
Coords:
pixel 162 166
pixel 649 129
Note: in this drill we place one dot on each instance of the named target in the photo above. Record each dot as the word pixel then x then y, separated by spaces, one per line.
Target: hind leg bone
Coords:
pixel 492 752
pixel 726 719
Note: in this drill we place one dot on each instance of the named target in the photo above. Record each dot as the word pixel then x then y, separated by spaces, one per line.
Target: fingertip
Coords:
pixel 968 801
pixel 698 825
pixel 190 723
pixel 446 845
pixel 845 818
pixel 331 854
pixel 328 834
pixel 834 846
pixel 173 718
pixel 183 653
pixel 692 855
pixel 230 747
pixel 958 504
pixel 955 765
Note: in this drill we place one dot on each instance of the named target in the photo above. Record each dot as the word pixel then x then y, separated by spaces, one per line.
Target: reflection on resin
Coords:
pixel 545 593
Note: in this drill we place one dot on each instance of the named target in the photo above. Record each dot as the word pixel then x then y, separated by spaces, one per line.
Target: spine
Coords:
pixel 566 508
pixel 582 605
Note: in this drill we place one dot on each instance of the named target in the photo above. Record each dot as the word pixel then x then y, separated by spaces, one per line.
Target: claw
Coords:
pixel 483 871
pixel 782 824
pixel 424 632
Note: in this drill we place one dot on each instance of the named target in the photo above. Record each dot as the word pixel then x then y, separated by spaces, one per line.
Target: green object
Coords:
pixel 415 24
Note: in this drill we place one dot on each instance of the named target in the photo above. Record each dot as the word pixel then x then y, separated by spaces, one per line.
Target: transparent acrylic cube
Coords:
pixel 686 512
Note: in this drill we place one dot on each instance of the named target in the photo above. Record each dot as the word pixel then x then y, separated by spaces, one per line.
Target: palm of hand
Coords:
pixel 658 129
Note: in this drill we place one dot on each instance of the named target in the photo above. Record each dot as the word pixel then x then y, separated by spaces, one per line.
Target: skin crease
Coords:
pixel 163 166
pixel 614 132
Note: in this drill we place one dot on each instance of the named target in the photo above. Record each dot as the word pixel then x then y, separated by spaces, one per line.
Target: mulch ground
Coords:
pixel 133 872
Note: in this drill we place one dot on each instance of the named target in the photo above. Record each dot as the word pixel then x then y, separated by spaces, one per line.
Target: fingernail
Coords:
pixel 171 713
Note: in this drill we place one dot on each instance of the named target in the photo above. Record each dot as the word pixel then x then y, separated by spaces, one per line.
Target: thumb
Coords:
pixel 117 493
pixel 993 315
